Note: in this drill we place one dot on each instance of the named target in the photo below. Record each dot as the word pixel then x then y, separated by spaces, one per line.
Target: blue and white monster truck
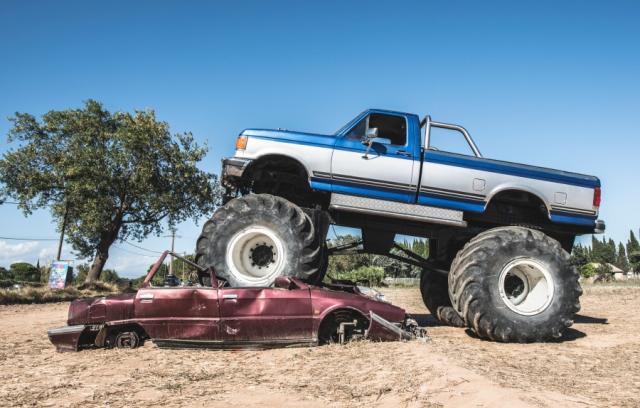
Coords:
pixel 500 233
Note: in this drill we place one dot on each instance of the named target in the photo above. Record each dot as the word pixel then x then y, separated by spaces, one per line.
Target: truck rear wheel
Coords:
pixel 254 239
pixel 515 284
pixel 435 295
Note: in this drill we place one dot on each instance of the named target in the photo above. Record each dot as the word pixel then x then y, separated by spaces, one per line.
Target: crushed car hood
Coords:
pixel 94 310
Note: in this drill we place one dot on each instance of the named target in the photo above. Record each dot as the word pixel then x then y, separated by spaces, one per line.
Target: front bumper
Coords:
pixel 74 338
pixel 66 338
pixel 233 167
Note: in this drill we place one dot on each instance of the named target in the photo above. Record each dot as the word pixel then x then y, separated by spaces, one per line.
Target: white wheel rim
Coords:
pixel 256 255
pixel 526 286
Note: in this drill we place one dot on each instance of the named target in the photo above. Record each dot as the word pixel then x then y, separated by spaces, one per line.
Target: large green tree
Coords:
pixel 105 176
pixel 25 272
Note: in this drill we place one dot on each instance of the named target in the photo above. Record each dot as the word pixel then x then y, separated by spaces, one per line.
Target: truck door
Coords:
pixel 388 170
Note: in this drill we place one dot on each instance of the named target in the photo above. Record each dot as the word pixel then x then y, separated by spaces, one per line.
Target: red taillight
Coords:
pixel 596 197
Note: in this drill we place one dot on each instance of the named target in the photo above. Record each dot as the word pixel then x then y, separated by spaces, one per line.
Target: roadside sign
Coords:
pixel 59 273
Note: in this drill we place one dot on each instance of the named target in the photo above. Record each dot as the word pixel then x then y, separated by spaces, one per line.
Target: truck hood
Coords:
pixel 291 136
pixel 96 310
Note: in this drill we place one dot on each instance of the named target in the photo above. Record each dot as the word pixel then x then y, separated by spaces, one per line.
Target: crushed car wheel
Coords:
pixel 127 340
pixel 515 284
pixel 353 325
pixel 252 240
pixel 435 295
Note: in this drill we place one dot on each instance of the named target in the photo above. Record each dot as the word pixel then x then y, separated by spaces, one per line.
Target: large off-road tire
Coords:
pixel 515 284
pixel 435 295
pixel 253 239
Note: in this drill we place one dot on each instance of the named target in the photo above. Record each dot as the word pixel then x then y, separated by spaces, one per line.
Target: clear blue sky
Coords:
pixel 548 83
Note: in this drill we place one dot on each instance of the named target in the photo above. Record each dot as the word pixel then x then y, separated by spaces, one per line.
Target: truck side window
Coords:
pixel 390 127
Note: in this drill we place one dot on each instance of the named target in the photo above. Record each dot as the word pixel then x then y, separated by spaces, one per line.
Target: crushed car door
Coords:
pixel 179 313
pixel 265 314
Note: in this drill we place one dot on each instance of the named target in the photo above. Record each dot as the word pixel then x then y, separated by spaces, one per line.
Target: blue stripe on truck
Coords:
pixel 573 219
pixel 512 169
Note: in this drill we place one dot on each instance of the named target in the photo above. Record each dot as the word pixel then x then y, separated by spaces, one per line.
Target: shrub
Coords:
pixel 369 275
pixel 588 270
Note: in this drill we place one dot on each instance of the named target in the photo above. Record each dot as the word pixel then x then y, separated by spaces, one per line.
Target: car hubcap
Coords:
pixel 256 254
pixel 526 286
pixel 127 340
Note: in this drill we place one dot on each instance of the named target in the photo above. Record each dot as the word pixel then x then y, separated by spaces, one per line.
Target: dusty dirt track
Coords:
pixel 596 364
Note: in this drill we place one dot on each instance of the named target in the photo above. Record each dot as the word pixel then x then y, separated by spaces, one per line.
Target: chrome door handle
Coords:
pixel 146 296
pixel 230 296
pixel 403 153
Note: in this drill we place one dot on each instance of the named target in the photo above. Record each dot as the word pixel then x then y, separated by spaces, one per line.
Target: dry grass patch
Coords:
pixel 28 294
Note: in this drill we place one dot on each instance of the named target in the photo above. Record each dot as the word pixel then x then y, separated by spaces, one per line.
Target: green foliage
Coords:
pixel 5 274
pixel 603 251
pixel 109 276
pixel 633 252
pixel 580 256
pixel 621 260
pixel 351 261
pixel 632 245
pixel 368 275
pixel 23 271
pixel 80 274
pixel 634 259
pixel 589 270
pixel 115 176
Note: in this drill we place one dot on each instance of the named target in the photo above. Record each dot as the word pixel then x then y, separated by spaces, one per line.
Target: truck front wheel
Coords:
pixel 515 284
pixel 254 239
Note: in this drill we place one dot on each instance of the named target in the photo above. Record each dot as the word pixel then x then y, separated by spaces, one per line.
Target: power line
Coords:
pixel 144 249
pixel 9 202
pixel 29 239
pixel 131 252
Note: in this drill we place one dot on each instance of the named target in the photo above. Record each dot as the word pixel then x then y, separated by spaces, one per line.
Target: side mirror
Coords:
pixel 283 282
pixel 370 138
pixel 372 133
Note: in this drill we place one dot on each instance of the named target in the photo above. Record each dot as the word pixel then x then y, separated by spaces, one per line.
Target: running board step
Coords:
pixel 394 209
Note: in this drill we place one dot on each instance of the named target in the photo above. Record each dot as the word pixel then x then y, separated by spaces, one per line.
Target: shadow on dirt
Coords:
pixel 426 320
pixel 568 335
pixel 589 320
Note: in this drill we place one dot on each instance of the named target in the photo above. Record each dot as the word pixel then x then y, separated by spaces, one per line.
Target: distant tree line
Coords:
pixel 604 253
pixel 372 269
pixel 26 273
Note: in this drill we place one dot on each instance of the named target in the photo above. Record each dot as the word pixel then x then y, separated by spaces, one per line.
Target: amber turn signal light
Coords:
pixel 241 142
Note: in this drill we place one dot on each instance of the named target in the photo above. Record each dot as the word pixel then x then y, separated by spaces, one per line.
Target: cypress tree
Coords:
pixel 621 261
pixel 632 244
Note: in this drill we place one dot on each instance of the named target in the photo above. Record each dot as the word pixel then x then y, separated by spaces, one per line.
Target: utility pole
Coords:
pixel 173 241
pixel 64 226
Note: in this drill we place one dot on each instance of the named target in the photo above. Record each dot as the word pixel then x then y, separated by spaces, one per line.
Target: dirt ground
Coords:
pixel 596 364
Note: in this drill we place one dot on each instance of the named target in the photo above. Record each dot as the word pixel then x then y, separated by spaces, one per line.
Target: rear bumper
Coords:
pixel 66 338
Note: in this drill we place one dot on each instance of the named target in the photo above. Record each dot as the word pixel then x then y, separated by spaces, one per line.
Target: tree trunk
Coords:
pixel 102 254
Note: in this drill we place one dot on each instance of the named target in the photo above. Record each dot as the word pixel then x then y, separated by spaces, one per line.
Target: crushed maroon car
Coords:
pixel 202 311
